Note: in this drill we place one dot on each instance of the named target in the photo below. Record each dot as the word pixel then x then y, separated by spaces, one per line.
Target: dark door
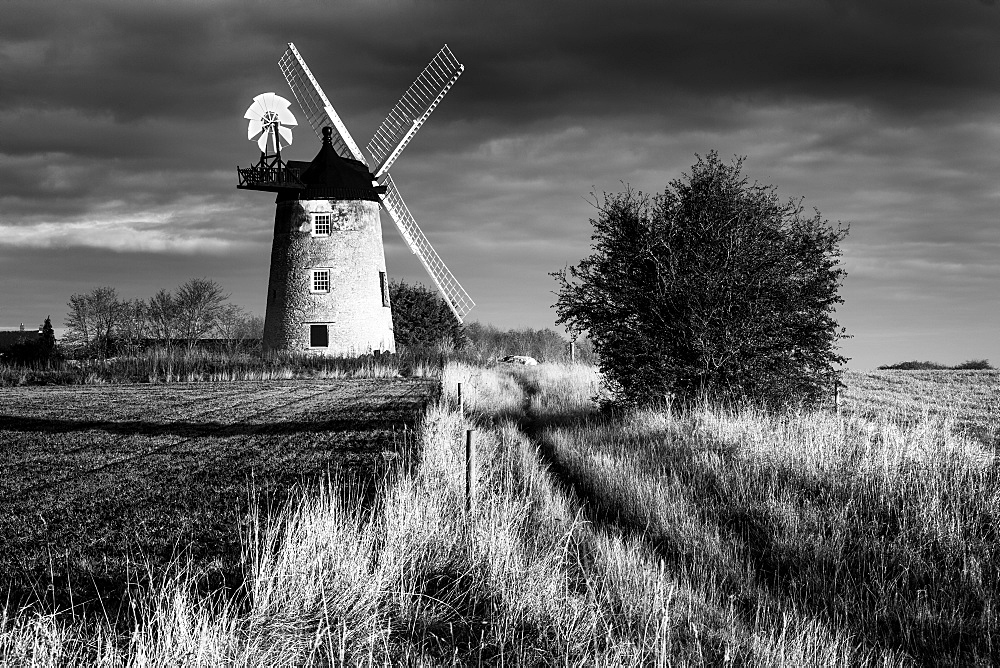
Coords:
pixel 319 336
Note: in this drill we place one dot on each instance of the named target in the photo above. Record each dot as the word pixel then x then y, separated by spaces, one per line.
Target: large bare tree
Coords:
pixel 199 304
pixel 134 327
pixel 161 314
pixel 93 321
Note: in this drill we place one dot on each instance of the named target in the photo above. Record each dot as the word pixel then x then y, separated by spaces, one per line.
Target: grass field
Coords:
pixel 702 538
pixel 98 483
pixel 969 401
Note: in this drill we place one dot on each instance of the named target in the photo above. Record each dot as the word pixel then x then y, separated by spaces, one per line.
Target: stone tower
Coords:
pixel 328 293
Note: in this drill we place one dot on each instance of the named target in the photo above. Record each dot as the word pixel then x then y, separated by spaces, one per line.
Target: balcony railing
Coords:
pixel 270 179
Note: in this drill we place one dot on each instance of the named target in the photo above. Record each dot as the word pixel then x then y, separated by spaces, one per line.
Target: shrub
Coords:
pixel 421 317
pixel 974 365
pixel 913 366
pixel 712 289
pixel 969 365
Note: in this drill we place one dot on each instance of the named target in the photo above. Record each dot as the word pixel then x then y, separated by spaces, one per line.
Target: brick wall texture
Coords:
pixel 357 321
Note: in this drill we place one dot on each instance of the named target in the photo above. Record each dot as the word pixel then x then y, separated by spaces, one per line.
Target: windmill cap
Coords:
pixel 330 176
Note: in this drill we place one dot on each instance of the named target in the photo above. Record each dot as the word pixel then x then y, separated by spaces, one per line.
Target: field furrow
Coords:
pixel 132 473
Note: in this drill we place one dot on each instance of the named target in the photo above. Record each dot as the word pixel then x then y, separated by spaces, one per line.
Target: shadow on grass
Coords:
pixel 869 590
pixel 460 620
pixel 372 420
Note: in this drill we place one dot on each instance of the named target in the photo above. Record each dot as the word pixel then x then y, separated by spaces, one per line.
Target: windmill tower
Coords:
pixel 328 290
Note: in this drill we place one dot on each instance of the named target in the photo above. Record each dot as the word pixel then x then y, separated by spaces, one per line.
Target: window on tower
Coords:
pixel 321 225
pixel 320 280
pixel 384 285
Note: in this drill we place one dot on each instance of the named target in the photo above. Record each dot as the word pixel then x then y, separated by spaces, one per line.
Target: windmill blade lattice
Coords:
pixel 456 296
pixel 314 103
pixel 413 109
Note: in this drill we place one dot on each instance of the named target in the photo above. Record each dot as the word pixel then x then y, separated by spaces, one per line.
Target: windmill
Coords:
pixel 327 291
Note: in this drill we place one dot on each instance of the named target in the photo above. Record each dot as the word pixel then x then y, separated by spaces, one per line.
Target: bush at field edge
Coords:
pixel 969 365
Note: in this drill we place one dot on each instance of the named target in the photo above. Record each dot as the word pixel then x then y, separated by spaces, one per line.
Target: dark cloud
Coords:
pixel 123 123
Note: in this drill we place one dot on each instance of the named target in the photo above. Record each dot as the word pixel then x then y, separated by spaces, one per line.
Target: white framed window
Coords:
pixel 321 225
pixel 320 280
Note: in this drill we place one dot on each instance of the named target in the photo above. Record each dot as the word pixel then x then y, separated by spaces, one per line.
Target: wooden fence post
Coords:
pixel 461 406
pixel 572 351
pixel 470 471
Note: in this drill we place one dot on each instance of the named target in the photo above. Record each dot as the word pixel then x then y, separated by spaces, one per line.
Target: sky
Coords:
pixel 121 127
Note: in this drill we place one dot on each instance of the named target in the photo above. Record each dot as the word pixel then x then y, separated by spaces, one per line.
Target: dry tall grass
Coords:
pixel 179 365
pixel 870 534
pixel 703 538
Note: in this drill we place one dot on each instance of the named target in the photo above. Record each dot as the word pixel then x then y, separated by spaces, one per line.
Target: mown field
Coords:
pixel 968 400
pixel 708 537
pixel 100 484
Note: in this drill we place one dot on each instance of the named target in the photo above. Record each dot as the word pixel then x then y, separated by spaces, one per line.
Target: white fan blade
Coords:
pixel 315 105
pixel 253 111
pixel 413 109
pixel 259 108
pixel 286 117
pixel 262 142
pixel 281 107
pixel 456 297
pixel 286 135
pixel 256 127
pixel 270 101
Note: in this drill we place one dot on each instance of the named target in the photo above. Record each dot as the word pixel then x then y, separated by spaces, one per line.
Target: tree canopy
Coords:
pixel 421 317
pixel 713 289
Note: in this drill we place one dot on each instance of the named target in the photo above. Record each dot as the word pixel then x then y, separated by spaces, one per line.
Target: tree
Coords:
pixel 133 328
pixel 487 342
pixel 47 342
pixel 198 304
pixel 238 328
pixel 714 289
pixel 161 317
pixel 421 317
pixel 92 321
pixel 79 328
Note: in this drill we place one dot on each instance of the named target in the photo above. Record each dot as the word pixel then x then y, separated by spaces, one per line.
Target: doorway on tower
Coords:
pixel 319 336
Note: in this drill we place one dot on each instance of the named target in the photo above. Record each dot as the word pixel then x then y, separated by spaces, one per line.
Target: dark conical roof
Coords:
pixel 330 176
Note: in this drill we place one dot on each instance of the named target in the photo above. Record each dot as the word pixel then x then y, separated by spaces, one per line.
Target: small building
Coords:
pixel 11 337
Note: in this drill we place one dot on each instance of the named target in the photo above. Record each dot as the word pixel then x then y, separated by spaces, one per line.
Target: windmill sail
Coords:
pixel 314 103
pixel 458 299
pixel 413 109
